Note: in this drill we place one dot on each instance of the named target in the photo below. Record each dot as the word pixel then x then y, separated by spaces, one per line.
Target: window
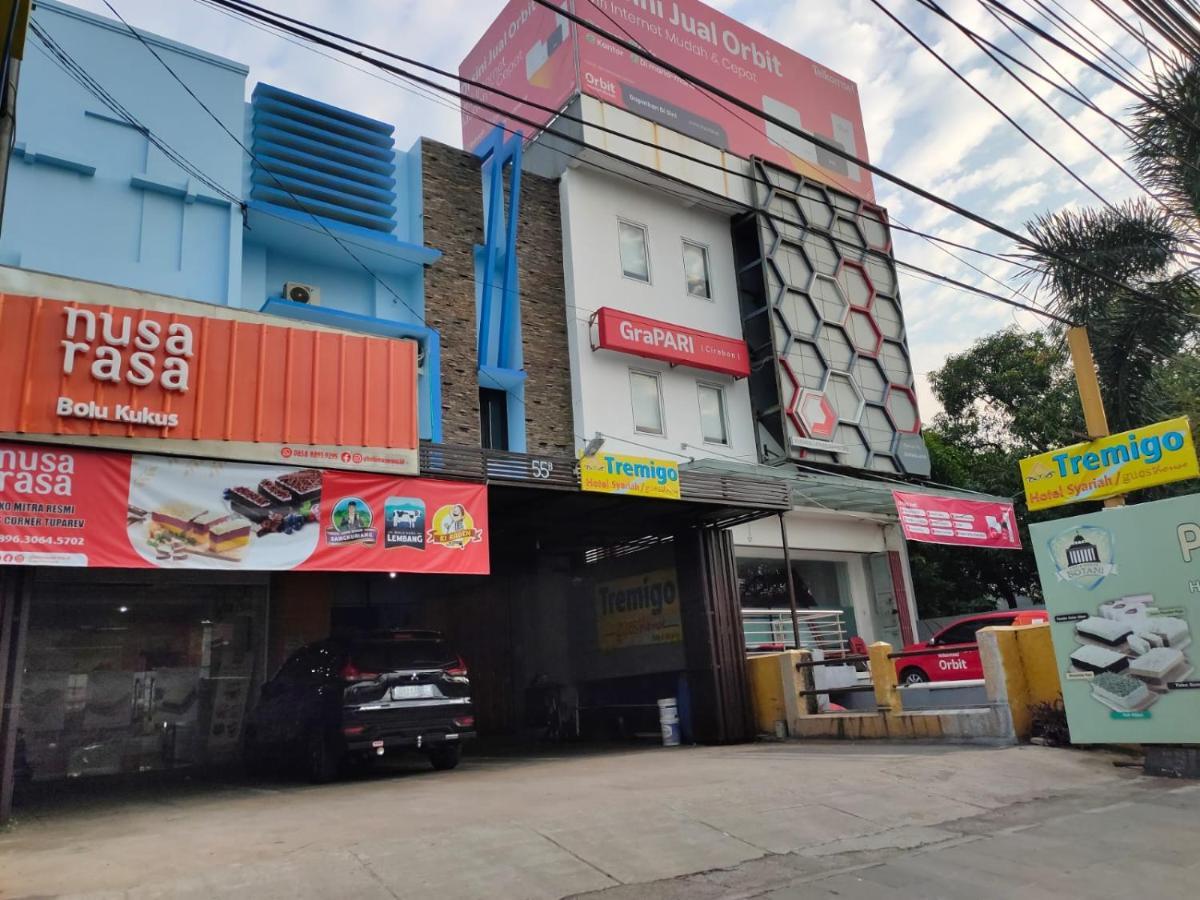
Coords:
pixel 695 270
pixel 964 632
pixel 712 414
pixel 647 402
pixel 493 419
pixel 635 257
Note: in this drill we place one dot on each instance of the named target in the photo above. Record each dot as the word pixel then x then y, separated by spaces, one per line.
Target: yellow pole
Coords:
pixel 1089 390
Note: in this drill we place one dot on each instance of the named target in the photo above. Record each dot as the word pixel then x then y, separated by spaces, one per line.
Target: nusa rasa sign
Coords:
pixel 1129 461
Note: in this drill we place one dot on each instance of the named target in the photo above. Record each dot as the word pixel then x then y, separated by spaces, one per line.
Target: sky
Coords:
pixel 921 123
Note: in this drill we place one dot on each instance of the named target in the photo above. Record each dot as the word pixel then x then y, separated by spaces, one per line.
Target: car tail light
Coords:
pixel 457 669
pixel 465 722
pixel 351 672
pixel 351 730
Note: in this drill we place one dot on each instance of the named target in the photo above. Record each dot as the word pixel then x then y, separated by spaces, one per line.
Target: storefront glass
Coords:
pixel 819 583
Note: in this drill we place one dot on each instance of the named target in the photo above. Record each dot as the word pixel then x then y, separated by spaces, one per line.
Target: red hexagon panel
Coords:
pixel 817 415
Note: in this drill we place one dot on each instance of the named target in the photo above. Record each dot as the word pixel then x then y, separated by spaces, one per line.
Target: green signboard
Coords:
pixel 1122 588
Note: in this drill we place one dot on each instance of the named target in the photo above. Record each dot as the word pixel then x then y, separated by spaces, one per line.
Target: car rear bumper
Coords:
pixel 407 741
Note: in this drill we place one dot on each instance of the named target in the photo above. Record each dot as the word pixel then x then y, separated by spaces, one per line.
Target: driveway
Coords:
pixel 642 823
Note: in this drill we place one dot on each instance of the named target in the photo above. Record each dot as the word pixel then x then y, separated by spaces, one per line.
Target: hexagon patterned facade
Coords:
pixel 836 340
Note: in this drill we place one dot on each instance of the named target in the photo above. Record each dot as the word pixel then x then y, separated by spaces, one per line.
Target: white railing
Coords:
pixel 771 629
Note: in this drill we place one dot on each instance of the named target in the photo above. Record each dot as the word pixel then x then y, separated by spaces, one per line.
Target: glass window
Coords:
pixel 695 269
pixel 647 402
pixel 635 258
pixel 712 414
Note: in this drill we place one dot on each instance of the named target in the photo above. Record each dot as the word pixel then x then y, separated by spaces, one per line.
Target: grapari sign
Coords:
pixel 674 344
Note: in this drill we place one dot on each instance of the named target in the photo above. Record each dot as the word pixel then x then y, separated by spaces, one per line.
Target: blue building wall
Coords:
pixel 323 198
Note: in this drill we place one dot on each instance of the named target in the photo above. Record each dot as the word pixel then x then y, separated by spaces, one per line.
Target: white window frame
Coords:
pixel 707 270
pixel 662 412
pixel 720 389
pixel 645 243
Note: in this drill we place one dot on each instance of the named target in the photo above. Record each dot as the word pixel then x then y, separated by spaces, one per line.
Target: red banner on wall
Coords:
pixel 675 344
pixel 967 523
pixel 61 506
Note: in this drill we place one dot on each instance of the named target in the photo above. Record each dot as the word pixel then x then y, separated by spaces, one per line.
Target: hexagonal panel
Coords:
pixel 863 333
pixel 870 379
pixel 902 407
pixel 880 432
pixel 797 309
pixel 882 272
pixel 895 364
pixel 821 253
pixel 829 299
pixel 855 284
pixel 881 463
pixel 807 364
pixel 784 210
pixel 793 265
pixel 873 223
pixel 857 452
pixel 886 313
pixel 845 397
pixel 835 347
pixel 850 240
pixel 844 202
pixel 814 202
pixel 817 415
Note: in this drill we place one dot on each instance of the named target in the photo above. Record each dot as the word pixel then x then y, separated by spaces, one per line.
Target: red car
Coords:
pixel 962 661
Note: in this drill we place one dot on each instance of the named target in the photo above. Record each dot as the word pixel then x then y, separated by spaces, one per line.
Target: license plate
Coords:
pixel 413 692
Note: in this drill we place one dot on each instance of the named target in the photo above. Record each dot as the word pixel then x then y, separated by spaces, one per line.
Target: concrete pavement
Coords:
pixel 780 819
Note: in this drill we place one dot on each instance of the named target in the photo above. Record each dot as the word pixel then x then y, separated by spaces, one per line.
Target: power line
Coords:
pixel 299 203
pixel 1087 45
pixel 307 35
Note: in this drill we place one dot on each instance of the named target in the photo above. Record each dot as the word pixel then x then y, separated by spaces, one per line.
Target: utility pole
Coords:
pixel 1089 390
pixel 15 16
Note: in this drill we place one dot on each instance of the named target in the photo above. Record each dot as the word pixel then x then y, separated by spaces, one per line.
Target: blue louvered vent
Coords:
pixel 322 160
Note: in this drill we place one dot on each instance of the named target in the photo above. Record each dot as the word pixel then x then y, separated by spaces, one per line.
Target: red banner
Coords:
pixel 674 344
pixel 62 506
pixel 966 523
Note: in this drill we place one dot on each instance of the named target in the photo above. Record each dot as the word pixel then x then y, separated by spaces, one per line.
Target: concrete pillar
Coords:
pixel 883 677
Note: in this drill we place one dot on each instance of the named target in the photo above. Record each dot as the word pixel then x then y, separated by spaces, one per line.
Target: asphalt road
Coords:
pixel 808 820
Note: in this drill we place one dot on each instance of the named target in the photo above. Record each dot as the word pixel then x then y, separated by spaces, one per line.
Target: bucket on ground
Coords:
pixel 668 720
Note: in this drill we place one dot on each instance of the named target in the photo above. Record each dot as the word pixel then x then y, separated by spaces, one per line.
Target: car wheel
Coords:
pixel 444 758
pixel 913 676
pixel 323 758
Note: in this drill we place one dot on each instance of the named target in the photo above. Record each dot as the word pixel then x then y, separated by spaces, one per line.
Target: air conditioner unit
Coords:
pixel 302 293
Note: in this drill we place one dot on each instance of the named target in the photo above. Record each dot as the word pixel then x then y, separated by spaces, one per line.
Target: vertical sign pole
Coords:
pixel 1089 390
pixel 787 567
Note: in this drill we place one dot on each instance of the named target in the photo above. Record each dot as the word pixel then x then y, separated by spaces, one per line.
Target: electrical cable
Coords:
pixel 1088 46
pixel 299 203
pixel 571 139
pixel 1129 64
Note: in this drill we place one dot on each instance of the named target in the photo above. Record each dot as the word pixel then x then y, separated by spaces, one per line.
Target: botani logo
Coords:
pixel 1084 556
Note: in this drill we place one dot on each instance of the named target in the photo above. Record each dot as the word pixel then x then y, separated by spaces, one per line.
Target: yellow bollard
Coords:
pixel 883 677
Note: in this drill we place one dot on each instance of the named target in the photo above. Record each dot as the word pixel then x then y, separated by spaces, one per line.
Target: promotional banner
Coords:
pixel 636 476
pixel 230 385
pixel 1141 458
pixel 531 53
pixel 966 523
pixel 1122 587
pixel 61 506
pixel 675 344
pixel 638 611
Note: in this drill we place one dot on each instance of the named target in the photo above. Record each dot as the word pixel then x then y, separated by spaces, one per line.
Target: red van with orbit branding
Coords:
pixel 953 654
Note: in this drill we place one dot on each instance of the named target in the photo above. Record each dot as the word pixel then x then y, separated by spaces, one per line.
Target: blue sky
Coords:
pixel 920 122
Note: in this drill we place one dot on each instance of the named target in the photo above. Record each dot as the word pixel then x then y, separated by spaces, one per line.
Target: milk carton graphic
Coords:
pixel 537 70
pixel 404 523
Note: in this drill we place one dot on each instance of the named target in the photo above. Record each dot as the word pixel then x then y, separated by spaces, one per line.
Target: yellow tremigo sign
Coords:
pixel 637 476
pixel 1129 461
pixel 638 611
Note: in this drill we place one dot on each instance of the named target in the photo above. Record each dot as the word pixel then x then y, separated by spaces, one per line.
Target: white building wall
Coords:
pixel 593 203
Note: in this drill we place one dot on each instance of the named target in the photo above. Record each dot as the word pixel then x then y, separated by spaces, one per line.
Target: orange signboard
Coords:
pixel 229 385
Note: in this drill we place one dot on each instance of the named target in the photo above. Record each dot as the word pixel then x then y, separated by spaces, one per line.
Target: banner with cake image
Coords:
pixel 71 507
pixel 1123 589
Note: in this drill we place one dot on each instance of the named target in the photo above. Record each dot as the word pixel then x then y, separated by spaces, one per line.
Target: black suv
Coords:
pixel 341 699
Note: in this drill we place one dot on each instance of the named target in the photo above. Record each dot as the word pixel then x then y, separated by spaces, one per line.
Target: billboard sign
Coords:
pixel 635 476
pixel 1110 466
pixel 964 523
pixel 674 344
pixel 1122 587
pixel 638 611
pixel 169 378
pixel 64 506
pixel 527 50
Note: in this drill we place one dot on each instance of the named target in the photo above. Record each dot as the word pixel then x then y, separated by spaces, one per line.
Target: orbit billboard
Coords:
pixel 545 59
